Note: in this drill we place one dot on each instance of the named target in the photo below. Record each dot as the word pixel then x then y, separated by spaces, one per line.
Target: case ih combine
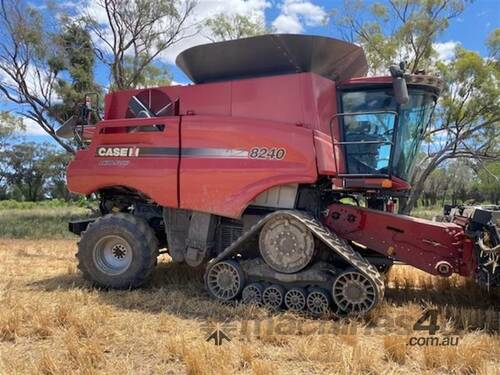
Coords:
pixel 245 170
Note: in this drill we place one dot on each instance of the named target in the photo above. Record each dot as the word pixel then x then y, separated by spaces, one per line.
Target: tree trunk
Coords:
pixel 411 201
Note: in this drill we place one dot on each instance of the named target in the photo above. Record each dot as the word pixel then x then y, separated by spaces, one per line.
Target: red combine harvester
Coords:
pixel 246 170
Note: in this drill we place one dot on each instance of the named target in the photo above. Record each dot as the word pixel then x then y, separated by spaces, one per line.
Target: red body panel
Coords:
pixel 420 243
pixel 155 176
pixel 221 177
pixel 290 112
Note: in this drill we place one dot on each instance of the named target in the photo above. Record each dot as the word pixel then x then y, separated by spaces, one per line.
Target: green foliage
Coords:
pixel 9 124
pixel 487 185
pixel 75 55
pixel 152 75
pixel 493 44
pixel 135 33
pixel 42 57
pixel 81 202
pixel 468 110
pixel 32 171
pixel 397 30
pixel 229 27
pixel 463 181
pixel 427 212
pixel 451 183
pixel 41 221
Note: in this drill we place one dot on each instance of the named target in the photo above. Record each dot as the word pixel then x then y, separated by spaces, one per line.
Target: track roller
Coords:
pixel 353 292
pixel 225 280
pixel 318 302
pixel 295 299
pixel 252 293
pixel 273 296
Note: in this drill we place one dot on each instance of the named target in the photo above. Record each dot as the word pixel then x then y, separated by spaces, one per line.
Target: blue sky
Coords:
pixel 469 30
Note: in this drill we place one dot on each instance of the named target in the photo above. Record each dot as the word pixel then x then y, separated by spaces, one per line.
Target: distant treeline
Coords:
pixel 462 181
pixel 33 172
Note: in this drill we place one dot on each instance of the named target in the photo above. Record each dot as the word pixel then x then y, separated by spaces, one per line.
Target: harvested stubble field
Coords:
pixel 52 322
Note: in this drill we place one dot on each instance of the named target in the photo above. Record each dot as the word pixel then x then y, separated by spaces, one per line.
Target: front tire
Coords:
pixel 118 251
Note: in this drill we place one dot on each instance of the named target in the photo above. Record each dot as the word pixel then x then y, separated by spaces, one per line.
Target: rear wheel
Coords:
pixel 118 251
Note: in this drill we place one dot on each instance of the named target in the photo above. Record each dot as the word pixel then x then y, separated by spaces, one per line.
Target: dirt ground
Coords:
pixel 52 322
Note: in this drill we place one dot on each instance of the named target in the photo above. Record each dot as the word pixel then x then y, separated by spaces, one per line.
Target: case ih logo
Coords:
pixel 118 151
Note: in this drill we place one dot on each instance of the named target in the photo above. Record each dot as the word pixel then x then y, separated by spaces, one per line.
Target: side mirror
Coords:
pixel 400 90
pixel 399 83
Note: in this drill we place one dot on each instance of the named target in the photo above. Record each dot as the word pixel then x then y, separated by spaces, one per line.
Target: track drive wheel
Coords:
pixel 354 293
pixel 118 251
pixel 225 280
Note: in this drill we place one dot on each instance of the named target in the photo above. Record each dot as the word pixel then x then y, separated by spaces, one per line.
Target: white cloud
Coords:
pixel 193 34
pixel 288 24
pixel 446 50
pixel 32 128
pixel 294 17
pixel 209 8
pixel 36 79
pixel 176 83
pixel 296 14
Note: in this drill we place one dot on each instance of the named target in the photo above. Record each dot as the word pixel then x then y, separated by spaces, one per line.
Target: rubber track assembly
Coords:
pixel 332 241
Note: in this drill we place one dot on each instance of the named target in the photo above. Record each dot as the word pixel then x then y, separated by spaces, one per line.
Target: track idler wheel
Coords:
pixel 354 293
pixel 225 280
pixel 295 299
pixel 273 297
pixel 286 244
pixel 318 302
pixel 252 294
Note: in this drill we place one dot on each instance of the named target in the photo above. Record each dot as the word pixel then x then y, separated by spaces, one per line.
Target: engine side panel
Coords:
pixel 227 161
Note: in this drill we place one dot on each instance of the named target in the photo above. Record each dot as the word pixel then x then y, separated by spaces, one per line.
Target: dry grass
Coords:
pixel 52 322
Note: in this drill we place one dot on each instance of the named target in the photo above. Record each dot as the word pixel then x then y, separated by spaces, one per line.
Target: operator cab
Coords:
pixel 379 135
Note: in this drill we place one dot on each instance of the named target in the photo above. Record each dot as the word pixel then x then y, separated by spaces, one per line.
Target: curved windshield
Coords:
pixel 381 137
pixel 412 122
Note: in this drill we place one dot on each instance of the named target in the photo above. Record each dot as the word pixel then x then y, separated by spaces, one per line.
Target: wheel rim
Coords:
pixel 318 302
pixel 272 297
pixel 295 300
pixel 252 293
pixel 224 280
pixel 112 255
pixel 354 293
